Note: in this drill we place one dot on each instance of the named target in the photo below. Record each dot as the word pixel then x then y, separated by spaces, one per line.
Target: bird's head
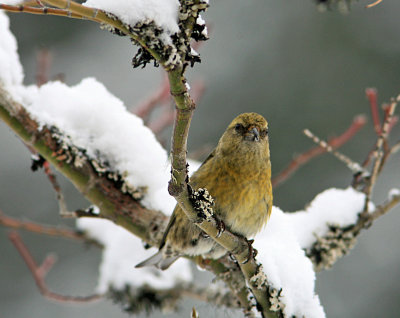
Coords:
pixel 248 132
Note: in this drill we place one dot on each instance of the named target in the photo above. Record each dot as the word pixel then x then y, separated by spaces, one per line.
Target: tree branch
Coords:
pixel 339 240
pixel 39 274
pixel 40 228
pixel 336 142
pixel 98 184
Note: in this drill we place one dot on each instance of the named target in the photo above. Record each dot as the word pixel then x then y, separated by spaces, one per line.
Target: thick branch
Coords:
pixel 121 208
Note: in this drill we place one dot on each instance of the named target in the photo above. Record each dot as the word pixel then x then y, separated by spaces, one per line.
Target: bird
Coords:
pixel 237 174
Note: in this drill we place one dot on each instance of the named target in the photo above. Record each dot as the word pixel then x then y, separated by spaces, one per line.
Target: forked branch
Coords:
pixel 39 274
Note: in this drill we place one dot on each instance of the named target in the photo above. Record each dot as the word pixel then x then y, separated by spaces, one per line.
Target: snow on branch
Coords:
pixel 162 29
pixel 340 238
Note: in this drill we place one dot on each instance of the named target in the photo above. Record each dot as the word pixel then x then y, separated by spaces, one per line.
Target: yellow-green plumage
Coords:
pixel 237 174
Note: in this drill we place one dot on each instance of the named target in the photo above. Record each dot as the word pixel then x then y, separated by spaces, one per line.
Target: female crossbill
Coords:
pixel 237 174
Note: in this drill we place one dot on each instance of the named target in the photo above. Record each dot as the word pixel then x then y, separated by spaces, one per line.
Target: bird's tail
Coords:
pixel 158 261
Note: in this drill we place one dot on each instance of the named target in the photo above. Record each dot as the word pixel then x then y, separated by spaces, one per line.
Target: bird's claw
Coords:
pixel 220 227
pixel 252 251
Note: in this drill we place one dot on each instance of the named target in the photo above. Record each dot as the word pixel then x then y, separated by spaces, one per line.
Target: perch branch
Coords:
pixel 179 189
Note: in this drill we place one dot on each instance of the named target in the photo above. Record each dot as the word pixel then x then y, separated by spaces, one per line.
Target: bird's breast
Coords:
pixel 241 201
pixel 241 188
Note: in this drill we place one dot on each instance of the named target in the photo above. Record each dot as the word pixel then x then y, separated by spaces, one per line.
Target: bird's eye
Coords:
pixel 264 132
pixel 239 127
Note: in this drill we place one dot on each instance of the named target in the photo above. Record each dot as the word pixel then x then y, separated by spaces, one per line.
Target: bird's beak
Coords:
pixel 253 134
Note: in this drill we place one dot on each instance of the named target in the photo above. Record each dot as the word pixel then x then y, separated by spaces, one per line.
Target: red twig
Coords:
pixel 39 3
pixel 60 197
pixel 373 4
pixel 43 65
pixel 38 228
pixel 51 176
pixel 372 96
pixel 39 273
pixel 358 122
pixel 161 96
pixel 198 90
pixel 165 120
pixel 380 154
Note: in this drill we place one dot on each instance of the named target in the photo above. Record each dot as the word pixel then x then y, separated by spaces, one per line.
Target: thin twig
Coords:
pixel 373 4
pixel 336 142
pixel 373 100
pixel 198 90
pixel 352 165
pixel 372 95
pixel 385 207
pixel 39 274
pixel 162 99
pixel 53 180
pixel 365 220
pixel 378 163
pixel 40 11
pixel 43 65
pixel 161 96
pixel 39 228
pixel 166 119
pixel 393 121
pixel 395 148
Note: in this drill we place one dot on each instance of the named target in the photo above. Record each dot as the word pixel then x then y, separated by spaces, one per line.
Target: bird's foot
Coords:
pixel 221 227
pixel 252 251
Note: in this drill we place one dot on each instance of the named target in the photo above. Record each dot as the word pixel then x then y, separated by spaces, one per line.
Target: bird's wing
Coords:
pixel 173 216
pixel 172 220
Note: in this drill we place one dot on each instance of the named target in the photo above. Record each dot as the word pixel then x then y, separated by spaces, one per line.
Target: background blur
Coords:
pixel 283 59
